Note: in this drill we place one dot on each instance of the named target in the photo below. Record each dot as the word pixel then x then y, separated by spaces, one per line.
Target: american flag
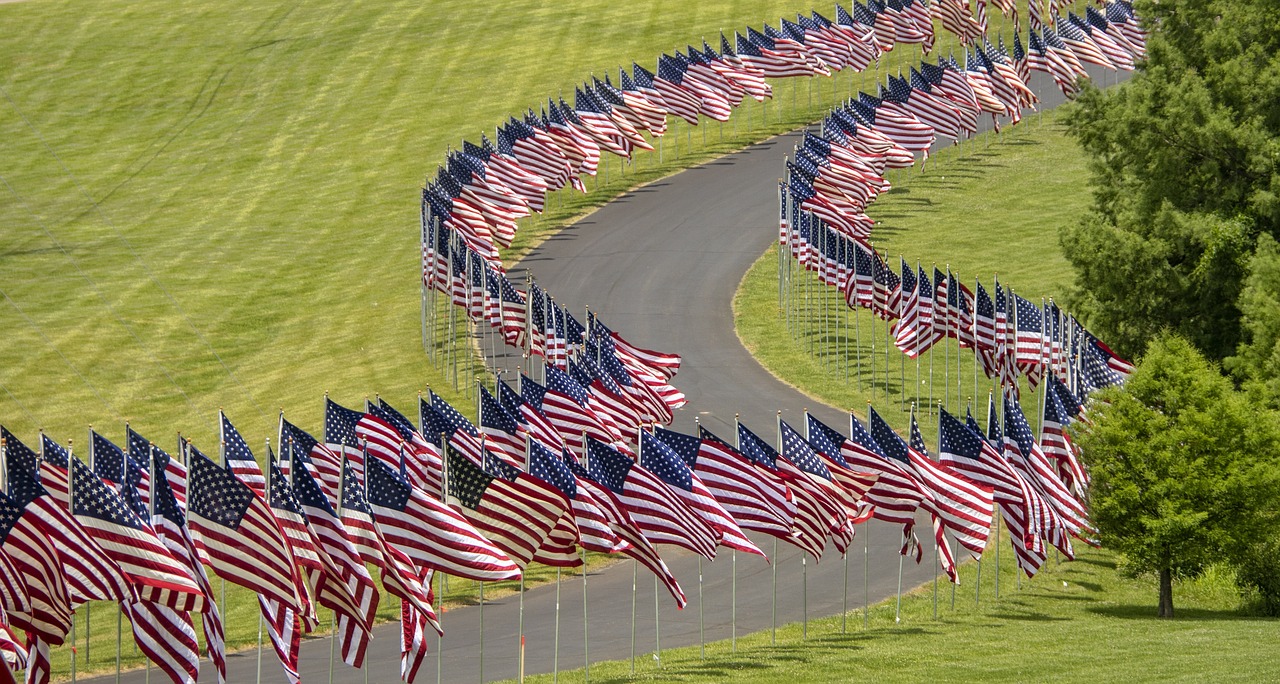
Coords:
pixel 239 458
pixel 897 494
pixel 800 455
pixel 236 533
pixel 166 636
pixel 397 571
pixel 148 566
pixel 458 431
pixel 648 106
pixel 852 485
pixel 512 510
pixel 661 515
pixel 537 424
pixel 984 320
pixel 170 524
pixel 23 539
pixel 756 52
pixel 114 466
pixel 1006 341
pixel 13 588
pixel 331 539
pixel 340 434
pixel 637 545
pixel 560 123
pixel 565 403
pixel 325 578
pixel 712 101
pixel 89 573
pixel 756 501
pixel 421 457
pixel 1021 449
pixel 813 521
pixel 1087 50
pixel 429 532
pixel 666 464
pixel 939 115
pixel 965 451
pixel 593 525
pixel 502 431
pixel 1101 20
pixel 323 463
pixel 1057 444
pixel 966 508
pixel 140 449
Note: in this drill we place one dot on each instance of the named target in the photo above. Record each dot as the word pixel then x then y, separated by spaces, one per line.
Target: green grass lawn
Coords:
pixel 1076 621
pixel 989 207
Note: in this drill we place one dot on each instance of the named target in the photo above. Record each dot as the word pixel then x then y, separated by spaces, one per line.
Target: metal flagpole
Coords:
pixel 733 585
pixel 586 632
pixel 773 639
pixel 804 569
pixel 866 596
pixel 633 615
pixel 555 653
pixel 657 629
pixel 444 497
pixel 844 615
pixel 702 642
pixel 897 612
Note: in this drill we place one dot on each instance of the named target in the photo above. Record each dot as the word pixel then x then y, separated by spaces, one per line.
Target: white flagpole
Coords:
pixel 555 653
pixel 657 629
pixel 702 642
pixel 733 583
pixel 634 567
pixel 773 638
pixel 444 497
pixel 586 631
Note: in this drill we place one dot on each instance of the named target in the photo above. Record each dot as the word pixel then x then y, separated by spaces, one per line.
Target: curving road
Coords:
pixel 660 265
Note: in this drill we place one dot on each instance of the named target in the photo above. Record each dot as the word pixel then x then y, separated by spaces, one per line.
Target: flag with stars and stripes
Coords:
pixel 90 574
pixel 340 434
pixel 170 524
pixel 757 502
pixel 239 459
pixel 430 533
pixel 965 451
pixel 236 533
pixel 797 452
pixel 662 516
pixel 814 519
pixel 46 614
pixel 663 462
pixel 503 504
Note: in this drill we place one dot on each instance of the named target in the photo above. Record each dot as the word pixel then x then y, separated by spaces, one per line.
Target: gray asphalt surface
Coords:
pixel 660 265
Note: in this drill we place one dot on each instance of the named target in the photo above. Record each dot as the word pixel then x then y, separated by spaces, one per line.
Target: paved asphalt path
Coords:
pixel 660 265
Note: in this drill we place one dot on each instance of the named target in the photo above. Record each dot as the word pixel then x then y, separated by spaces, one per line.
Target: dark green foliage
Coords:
pixel 1186 174
pixel 1184 468
pixel 1257 362
pixel 1259 572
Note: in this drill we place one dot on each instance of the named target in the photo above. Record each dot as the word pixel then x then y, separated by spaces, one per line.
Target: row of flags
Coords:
pixel 542 476
pixel 1011 336
pixel 484 188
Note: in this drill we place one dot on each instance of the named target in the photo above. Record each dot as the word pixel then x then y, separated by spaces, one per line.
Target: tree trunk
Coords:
pixel 1166 593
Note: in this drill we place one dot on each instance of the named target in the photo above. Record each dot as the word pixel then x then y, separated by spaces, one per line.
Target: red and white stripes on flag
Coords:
pixel 430 533
pixel 237 535
pixel 757 503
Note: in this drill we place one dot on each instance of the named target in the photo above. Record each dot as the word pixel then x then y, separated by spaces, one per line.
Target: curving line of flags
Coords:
pixel 577 462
